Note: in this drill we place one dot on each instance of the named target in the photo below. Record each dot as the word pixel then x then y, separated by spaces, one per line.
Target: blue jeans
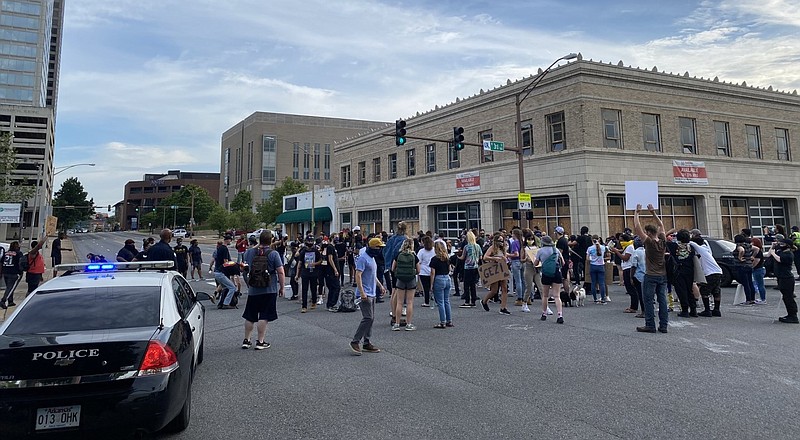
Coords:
pixel 744 276
pixel 226 282
pixel 655 286
pixel 758 278
pixel 516 274
pixel 441 294
pixel 598 274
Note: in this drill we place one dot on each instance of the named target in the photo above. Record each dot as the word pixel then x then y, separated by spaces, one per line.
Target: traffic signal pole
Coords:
pixel 446 141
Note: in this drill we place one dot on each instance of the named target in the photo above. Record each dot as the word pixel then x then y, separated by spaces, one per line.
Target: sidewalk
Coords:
pixel 67 257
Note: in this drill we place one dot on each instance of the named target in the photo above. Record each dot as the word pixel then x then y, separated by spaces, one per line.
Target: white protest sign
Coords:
pixel 641 192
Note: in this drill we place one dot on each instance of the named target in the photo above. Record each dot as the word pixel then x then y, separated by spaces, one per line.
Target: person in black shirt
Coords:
pixel 162 251
pixel 11 273
pixel 128 251
pixel 181 256
pixel 341 256
pixel 55 252
pixel 223 255
pixel 330 272
pixel 782 253
pixel 582 243
pixel 309 259
pixel 562 244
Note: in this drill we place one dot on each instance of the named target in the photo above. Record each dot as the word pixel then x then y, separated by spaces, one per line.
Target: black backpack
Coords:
pixel 348 301
pixel 259 275
pixel 24 263
pixel 406 270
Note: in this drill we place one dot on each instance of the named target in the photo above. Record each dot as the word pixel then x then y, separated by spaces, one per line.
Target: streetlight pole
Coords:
pixel 517 102
pixel 66 167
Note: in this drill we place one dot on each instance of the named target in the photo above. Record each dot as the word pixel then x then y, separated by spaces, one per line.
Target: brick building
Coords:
pixel 587 129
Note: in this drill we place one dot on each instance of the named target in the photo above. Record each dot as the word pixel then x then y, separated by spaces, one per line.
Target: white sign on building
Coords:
pixel 10 212
pixel 468 182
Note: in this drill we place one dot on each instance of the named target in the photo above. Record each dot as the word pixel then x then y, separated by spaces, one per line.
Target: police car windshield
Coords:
pixel 87 309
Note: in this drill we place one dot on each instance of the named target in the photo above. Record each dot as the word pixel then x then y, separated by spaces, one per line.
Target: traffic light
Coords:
pixel 400 132
pixel 154 209
pixel 109 208
pixel 137 209
pixel 458 138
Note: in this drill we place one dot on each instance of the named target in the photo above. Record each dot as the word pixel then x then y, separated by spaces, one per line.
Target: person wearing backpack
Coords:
pixel 471 255
pixel 743 256
pixel 682 281
pixel 405 268
pixel 265 279
pixel 11 273
pixel 552 261
pixel 35 265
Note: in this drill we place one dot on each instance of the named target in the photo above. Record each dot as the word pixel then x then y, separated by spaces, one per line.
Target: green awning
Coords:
pixel 322 214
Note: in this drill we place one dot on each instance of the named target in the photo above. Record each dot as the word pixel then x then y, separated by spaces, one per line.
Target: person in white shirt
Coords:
pixel 713 274
pixel 625 256
pixel 595 255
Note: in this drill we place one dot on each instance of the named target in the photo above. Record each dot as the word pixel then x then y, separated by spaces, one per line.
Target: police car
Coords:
pixel 111 346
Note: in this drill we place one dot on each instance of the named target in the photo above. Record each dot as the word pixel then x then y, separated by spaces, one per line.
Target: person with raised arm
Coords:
pixel 655 278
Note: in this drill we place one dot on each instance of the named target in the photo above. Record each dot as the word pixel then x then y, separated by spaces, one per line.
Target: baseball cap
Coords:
pixel 376 242
pixel 356 228
pixel 559 230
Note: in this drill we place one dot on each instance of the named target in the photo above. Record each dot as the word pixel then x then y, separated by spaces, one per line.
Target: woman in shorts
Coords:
pixel 549 282
pixel 497 252
pixel 405 289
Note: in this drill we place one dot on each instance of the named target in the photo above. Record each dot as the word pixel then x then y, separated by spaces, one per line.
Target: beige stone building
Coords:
pixel 587 128
pixel 259 152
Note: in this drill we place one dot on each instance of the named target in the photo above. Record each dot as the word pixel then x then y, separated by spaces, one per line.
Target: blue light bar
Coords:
pixel 92 267
pixel 107 267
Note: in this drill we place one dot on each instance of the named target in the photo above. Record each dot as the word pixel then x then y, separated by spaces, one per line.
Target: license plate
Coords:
pixel 58 417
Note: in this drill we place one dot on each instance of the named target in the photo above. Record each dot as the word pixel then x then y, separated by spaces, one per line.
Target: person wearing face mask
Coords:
pixel 782 252
pixel 181 257
pixel 712 273
pixel 367 283
pixel 128 252
pixel 497 252
pixel 309 258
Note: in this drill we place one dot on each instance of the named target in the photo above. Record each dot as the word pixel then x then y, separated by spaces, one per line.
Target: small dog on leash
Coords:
pixel 567 299
pixel 578 294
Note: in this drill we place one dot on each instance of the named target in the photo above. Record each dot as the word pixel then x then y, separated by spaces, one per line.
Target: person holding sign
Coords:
pixel 497 254
pixel 552 261
pixel 655 278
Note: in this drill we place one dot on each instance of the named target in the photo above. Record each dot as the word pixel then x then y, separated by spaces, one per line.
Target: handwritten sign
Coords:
pixel 51 225
pixel 492 271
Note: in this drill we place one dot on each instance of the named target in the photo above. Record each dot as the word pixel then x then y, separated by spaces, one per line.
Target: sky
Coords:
pixel 148 86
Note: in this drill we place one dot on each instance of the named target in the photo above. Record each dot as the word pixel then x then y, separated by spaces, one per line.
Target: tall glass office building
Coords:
pixel 30 47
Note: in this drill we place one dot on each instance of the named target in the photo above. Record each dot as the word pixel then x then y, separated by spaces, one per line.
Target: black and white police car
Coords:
pixel 107 347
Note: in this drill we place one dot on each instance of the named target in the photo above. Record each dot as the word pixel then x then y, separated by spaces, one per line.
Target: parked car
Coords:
pixel 182 233
pixel 256 233
pixel 721 250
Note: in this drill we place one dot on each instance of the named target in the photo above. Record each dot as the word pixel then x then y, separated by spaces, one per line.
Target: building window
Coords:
pixel 269 160
pixel 327 164
pixel 376 169
pixel 688 135
pixel 734 216
pixel 296 161
pixel 249 160
pixel 411 163
pixel 753 140
pixel 675 212
pixel 527 138
pixel 306 161
pixel 316 161
pixel 547 214
pixel 722 138
pixel 453 157
pixel 651 126
pixel 782 143
pixel 556 131
pixel 393 166
pixel 488 155
pixel 766 212
pixel 430 158
pixel 346 218
pixel 612 129
pixel 362 173
pixel 370 221
pixel 451 220
pixel 227 167
pixel 346 176
pixel 265 194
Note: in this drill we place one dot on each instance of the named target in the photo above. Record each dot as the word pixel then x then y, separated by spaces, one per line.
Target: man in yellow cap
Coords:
pixel 366 281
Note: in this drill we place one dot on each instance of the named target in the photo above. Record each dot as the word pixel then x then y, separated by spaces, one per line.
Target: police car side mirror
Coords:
pixel 202 296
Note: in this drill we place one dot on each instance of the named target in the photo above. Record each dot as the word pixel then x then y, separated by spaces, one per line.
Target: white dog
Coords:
pixel 578 295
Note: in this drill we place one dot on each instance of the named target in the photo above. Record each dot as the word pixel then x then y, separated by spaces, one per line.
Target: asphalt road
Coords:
pixel 495 376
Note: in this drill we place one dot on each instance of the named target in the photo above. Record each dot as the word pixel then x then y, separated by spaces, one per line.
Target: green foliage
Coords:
pixel 243 201
pixel 11 190
pixel 246 220
pixel 219 220
pixel 70 204
pixel 204 204
pixel 273 207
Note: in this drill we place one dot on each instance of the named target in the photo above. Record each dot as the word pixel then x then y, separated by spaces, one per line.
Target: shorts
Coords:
pixel 261 308
pixel 56 259
pixel 197 264
pixel 564 271
pixel 405 285
pixel 557 279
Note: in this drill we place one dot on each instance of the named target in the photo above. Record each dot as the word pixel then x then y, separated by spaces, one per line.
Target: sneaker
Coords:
pixel 560 320
pixel 640 315
pixel 246 344
pixel 716 313
pixel 663 330
pixel 425 305
pixel 333 309
pixel 464 306
pixel 525 308
pixel 504 312
pixel 706 313
pixel 396 328
pixel 645 329
pixel 551 300
pixel 608 299
pixel 313 306
pixel 449 324
pixel 410 327
pixel 293 298
pixel 544 317
pixel 403 313
pixel 355 348
pixel 369 348
pixel 789 320
pixel 485 306
pixel 319 302
pixel 760 302
pixel 303 310
pixel 549 312
pixel 262 345
pixel 530 303
pixel 683 314
pixel 518 302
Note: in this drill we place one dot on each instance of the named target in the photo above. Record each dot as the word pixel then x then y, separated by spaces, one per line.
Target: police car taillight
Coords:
pixel 158 359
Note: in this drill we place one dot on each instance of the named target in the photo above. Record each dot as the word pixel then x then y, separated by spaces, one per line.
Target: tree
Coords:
pixel 269 210
pixel 219 220
pixel 70 204
pixel 243 201
pixel 246 220
pixel 11 190
pixel 204 204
